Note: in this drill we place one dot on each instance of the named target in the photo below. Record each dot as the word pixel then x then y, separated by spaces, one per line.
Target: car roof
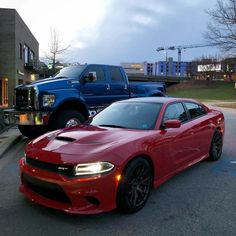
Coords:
pixel 157 100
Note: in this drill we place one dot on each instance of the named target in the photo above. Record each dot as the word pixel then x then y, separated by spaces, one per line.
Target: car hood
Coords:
pixel 51 84
pixel 72 143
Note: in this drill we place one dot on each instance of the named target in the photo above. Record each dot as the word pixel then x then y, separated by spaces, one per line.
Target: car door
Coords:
pixel 182 146
pixel 118 85
pixel 201 126
pixel 95 92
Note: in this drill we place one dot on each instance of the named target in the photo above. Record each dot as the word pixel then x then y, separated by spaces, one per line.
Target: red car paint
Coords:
pixel 170 151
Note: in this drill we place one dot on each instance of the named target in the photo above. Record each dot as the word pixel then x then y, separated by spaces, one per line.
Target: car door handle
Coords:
pixel 126 87
pixel 108 87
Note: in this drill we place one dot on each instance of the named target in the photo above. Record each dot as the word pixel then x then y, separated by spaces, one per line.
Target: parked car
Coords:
pixel 68 98
pixel 114 159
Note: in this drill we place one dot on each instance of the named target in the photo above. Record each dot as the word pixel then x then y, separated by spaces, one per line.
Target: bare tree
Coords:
pixel 221 29
pixel 56 47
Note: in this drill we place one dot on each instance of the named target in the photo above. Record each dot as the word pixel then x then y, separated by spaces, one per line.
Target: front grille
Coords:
pixel 45 189
pixel 67 170
pixel 25 98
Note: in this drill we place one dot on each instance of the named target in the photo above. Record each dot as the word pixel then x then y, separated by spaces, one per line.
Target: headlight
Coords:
pixel 48 100
pixel 93 168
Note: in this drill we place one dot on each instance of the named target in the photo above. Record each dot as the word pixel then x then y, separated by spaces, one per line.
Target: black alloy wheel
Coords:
pixel 135 186
pixel 216 146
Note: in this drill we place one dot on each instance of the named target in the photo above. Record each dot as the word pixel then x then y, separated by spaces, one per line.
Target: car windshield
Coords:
pixel 140 115
pixel 70 72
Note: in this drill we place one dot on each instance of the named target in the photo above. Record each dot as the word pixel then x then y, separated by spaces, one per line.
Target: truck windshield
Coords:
pixel 70 72
pixel 140 115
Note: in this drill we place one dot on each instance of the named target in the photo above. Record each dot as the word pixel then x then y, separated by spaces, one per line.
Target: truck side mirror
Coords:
pixel 90 77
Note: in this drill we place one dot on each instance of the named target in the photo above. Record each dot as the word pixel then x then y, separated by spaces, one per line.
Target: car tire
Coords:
pixel 66 118
pixel 32 131
pixel 135 186
pixel 216 146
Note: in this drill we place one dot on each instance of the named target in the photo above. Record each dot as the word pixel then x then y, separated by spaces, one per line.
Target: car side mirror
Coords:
pixel 172 124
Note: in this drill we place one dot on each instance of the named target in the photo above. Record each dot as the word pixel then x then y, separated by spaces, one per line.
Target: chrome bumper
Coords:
pixel 12 116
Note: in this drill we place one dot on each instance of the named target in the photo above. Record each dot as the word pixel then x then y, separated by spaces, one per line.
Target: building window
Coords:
pixel 31 55
pixel 26 54
pixel 20 51
pixel 20 81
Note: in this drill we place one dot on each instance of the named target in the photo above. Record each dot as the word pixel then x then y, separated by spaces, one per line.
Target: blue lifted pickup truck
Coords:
pixel 73 94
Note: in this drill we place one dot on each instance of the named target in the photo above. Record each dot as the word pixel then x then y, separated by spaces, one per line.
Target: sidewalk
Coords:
pixel 224 104
pixel 7 138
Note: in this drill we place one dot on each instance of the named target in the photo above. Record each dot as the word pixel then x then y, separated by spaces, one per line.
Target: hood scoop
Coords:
pixel 65 139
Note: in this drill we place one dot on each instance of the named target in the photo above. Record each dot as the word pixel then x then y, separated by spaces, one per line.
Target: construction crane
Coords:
pixel 182 47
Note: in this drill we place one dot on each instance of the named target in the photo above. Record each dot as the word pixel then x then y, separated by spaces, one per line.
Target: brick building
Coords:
pixel 19 53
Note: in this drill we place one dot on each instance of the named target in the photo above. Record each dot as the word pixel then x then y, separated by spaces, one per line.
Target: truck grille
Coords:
pixel 25 98
pixel 45 189
pixel 67 170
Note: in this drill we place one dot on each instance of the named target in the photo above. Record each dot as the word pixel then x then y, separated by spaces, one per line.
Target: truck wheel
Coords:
pixel 32 131
pixel 67 118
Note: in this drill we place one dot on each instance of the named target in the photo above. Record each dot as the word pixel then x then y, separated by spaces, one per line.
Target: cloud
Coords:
pixel 112 31
pixel 132 30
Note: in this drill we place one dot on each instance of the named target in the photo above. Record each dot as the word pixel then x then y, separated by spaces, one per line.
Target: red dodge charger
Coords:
pixel 115 158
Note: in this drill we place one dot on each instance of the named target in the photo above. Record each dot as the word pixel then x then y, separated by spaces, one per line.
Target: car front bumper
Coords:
pixel 12 116
pixel 74 195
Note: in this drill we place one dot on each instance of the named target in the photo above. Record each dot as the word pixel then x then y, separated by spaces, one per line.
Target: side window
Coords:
pixel 195 110
pixel 116 75
pixel 175 112
pixel 97 72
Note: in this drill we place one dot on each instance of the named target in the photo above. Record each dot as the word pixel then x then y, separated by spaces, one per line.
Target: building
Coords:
pixel 168 68
pixel 133 68
pixel 213 69
pixel 19 53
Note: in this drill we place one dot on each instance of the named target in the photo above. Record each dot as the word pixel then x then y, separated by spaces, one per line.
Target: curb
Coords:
pixel 7 141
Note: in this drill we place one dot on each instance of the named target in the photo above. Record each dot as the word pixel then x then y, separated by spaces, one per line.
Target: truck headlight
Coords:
pixel 93 168
pixel 48 100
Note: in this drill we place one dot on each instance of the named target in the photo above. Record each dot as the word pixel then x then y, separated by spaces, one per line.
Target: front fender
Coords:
pixel 70 99
pixel 77 103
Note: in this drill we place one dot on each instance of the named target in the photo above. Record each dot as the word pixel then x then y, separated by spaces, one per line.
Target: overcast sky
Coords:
pixel 114 31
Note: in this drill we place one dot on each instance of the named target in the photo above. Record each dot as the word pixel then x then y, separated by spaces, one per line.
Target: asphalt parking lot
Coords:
pixel 198 201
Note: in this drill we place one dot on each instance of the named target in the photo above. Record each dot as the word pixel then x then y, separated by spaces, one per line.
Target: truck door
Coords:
pixel 94 90
pixel 119 88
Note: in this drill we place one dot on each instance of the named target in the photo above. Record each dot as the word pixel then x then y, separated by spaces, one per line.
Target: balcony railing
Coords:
pixel 31 65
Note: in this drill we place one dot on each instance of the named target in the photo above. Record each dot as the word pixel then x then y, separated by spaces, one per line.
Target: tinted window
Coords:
pixel 116 75
pixel 128 115
pixel 175 112
pixel 97 71
pixel 195 110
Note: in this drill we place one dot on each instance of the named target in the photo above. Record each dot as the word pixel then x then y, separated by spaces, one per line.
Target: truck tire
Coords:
pixel 32 131
pixel 67 118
